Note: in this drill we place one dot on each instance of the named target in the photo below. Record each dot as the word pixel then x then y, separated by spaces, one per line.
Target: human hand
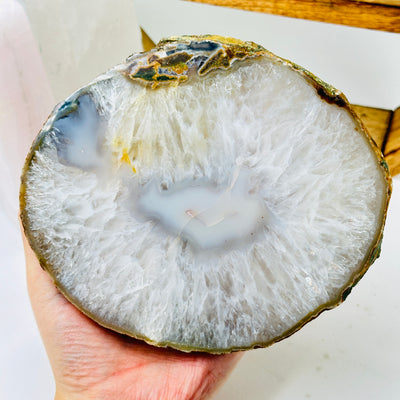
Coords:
pixel 91 362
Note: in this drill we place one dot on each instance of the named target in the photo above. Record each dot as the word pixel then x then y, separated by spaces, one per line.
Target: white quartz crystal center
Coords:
pixel 205 215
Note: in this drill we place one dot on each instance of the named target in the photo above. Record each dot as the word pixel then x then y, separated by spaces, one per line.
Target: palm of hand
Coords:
pixel 90 362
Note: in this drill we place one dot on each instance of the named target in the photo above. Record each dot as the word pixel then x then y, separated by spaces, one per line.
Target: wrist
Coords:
pixel 63 395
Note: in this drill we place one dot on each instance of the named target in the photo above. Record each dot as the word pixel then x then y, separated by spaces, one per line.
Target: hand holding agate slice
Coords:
pixel 206 195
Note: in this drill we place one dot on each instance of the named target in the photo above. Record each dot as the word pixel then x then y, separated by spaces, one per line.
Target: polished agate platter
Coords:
pixel 206 195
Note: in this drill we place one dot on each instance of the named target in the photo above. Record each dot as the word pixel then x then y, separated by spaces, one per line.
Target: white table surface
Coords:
pixel 351 352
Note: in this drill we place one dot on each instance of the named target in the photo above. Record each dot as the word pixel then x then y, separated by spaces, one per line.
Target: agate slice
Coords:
pixel 206 195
